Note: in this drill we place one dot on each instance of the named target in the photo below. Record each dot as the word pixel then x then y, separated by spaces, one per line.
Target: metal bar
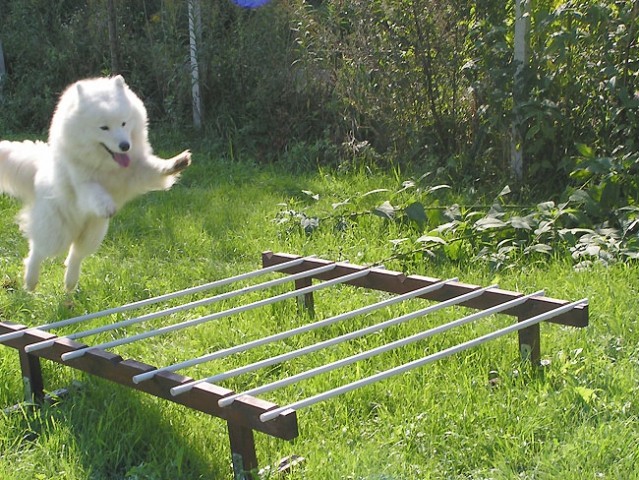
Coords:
pixel 289 333
pixel 151 301
pixel 214 316
pixel 223 402
pixel 265 417
pixel 343 338
pixel 198 303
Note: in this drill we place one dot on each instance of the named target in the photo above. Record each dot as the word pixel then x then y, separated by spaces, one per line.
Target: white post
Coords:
pixel 3 69
pixel 522 35
pixel 195 37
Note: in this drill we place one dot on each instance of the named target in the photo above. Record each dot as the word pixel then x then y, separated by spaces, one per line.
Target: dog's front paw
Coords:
pixel 105 208
pixel 179 163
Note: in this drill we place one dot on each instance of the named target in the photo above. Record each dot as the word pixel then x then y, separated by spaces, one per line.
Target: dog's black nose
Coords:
pixel 124 146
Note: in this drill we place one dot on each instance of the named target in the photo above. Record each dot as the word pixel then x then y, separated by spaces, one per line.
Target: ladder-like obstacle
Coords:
pixel 243 411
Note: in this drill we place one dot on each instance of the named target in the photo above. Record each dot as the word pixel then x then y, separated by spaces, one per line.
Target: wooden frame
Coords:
pixel 398 283
pixel 242 419
pixel 242 416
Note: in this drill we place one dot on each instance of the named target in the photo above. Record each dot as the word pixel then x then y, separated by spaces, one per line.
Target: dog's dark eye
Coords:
pixel 104 127
pixel 123 124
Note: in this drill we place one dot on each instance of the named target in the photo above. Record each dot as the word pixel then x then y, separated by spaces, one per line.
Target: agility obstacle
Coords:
pixel 243 411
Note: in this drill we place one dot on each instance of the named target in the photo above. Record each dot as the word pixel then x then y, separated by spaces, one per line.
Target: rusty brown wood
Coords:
pixel 243 452
pixel 306 301
pixel 31 377
pixel 203 397
pixel 529 340
pixel 396 282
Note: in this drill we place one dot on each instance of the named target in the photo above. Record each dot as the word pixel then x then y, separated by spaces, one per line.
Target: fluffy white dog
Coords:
pixel 97 158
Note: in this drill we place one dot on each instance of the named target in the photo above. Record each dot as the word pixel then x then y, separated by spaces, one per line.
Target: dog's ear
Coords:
pixel 119 81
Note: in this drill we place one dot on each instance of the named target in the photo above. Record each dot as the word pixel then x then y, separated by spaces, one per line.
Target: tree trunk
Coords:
pixel 522 36
pixel 195 37
pixel 113 37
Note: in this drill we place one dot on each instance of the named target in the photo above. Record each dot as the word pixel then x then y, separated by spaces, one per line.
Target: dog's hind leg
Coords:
pixel 87 243
pixel 46 239
pixel 32 267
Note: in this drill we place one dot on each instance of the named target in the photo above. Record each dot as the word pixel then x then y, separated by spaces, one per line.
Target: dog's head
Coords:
pixel 103 118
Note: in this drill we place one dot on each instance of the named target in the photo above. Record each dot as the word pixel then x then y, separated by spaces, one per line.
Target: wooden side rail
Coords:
pixel 396 282
pixel 202 397
pixel 242 417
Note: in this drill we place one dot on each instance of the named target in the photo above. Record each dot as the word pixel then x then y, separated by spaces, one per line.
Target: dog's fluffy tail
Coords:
pixel 18 166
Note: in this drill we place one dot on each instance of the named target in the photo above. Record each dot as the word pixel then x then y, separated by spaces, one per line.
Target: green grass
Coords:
pixel 575 419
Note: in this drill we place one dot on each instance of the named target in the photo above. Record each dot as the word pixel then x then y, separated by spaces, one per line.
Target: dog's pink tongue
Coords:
pixel 122 159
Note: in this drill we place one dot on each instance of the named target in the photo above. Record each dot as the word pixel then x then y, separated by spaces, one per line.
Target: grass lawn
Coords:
pixel 575 419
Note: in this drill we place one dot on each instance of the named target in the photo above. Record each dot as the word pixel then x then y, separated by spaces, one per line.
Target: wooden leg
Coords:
pixel 31 377
pixel 306 301
pixel 243 452
pixel 529 344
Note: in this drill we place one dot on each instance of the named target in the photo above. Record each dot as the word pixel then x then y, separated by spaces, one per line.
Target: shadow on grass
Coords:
pixel 112 433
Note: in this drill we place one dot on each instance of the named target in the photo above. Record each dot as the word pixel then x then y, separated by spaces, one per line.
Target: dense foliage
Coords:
pixel 426 223
pixel 418 82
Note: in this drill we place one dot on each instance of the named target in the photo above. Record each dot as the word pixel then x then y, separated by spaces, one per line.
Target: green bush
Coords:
pixel 414 82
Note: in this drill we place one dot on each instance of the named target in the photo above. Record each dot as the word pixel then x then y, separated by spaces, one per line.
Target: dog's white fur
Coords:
pixel 97 158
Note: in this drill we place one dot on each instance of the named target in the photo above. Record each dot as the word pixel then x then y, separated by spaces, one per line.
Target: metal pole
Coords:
pixel 349 336
pixel 158 299
pixel 162 313
pixel 223 402
pixel 423 361
pixel 289 333
pixel 243 308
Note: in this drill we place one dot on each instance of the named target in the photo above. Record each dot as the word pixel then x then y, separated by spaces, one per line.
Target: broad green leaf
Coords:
pixel 588 395
pixel 309 224
pixel 505 191
pixel 564 231
pixel 546 206
pixel 543 227
pixel 415 211
pixel 450 226
pixel 580 196
pixel 385 210
pixel 453 212
pixel 398 241
pixel 539 248
pixel 490 222
pixel 522 223
pixel 372 192
pixel 592 250
pixel 408 184
pixel 314 196
pixel 437 187
pixel 431 239
pixel 584 150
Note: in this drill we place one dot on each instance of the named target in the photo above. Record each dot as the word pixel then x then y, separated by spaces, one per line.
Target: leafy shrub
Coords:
pixel 500 234
pixel 420 82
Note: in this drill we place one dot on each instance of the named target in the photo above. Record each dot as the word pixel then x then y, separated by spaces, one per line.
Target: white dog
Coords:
pixel 97 158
